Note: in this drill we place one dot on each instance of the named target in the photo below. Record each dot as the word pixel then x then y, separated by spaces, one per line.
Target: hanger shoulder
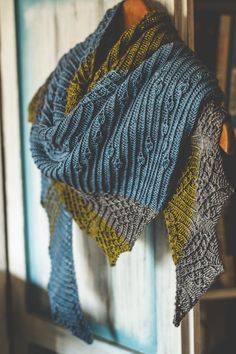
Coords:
pixel 227 140
pixel 133 11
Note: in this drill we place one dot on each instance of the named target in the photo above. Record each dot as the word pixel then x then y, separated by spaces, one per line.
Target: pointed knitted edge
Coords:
pixel 79 326
pixel 188 290
pixel 200 262
pixel 60 295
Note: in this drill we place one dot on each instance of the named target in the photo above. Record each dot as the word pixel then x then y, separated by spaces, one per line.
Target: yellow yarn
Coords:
pixel 126 54
pixel 108 239
pixel 179 211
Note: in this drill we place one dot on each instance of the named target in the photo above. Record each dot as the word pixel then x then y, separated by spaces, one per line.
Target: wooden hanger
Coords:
pixel 133 11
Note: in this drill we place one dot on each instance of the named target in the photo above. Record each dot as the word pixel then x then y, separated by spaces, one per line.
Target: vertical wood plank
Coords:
pixel 4 340
pixel 11 137
pixel 191 24
pixel 188 334
pixel 184 20
pixel 168 336
pixel 11 133
pixel 169 5
pixel 197 329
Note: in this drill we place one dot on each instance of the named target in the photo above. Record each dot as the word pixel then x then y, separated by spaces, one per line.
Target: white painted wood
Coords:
pixel 166 285
pixel 10 118
pixel 191 333
pixel 120 295
pixel 10 122
pixel 169 5
pixel 188 334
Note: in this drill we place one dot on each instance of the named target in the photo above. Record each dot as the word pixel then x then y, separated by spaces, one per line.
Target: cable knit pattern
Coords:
pixel 111 127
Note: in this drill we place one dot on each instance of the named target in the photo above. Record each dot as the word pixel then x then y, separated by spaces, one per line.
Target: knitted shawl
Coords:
pixel 127 126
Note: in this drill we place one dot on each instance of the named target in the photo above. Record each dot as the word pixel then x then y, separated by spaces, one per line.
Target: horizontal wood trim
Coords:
pixel 220 294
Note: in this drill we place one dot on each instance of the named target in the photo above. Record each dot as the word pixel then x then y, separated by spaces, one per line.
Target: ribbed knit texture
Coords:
pixel 113 137
pixel 193 211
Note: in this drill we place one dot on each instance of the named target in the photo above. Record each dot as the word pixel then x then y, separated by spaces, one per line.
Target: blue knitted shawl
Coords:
pixel 122 141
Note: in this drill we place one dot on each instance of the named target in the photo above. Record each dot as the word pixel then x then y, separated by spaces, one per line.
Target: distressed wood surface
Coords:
pixel 120 296
pixel 11 151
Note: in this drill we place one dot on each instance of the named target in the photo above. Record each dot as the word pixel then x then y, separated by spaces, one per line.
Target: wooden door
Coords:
pixel 130 307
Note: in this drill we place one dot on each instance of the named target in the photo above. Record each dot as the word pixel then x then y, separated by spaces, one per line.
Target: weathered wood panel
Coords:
pixel 10 135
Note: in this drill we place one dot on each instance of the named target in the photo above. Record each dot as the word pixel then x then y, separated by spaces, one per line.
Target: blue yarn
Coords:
pixel 166 93
pixel 62 287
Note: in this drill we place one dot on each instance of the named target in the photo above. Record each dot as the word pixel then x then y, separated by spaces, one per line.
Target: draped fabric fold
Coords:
pixel 126 126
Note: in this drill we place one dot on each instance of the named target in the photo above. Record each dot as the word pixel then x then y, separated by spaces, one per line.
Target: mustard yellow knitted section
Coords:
pixel 108 239
pixel 79 85
pixel 179 210
pixel 134 46
pixel 86 218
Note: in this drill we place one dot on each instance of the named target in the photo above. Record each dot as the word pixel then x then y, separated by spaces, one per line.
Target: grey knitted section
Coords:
pixel 200 263
pixel 127 217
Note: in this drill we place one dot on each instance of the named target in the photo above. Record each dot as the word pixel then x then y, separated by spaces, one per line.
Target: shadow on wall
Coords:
pixel 13 315
pixel 32 315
